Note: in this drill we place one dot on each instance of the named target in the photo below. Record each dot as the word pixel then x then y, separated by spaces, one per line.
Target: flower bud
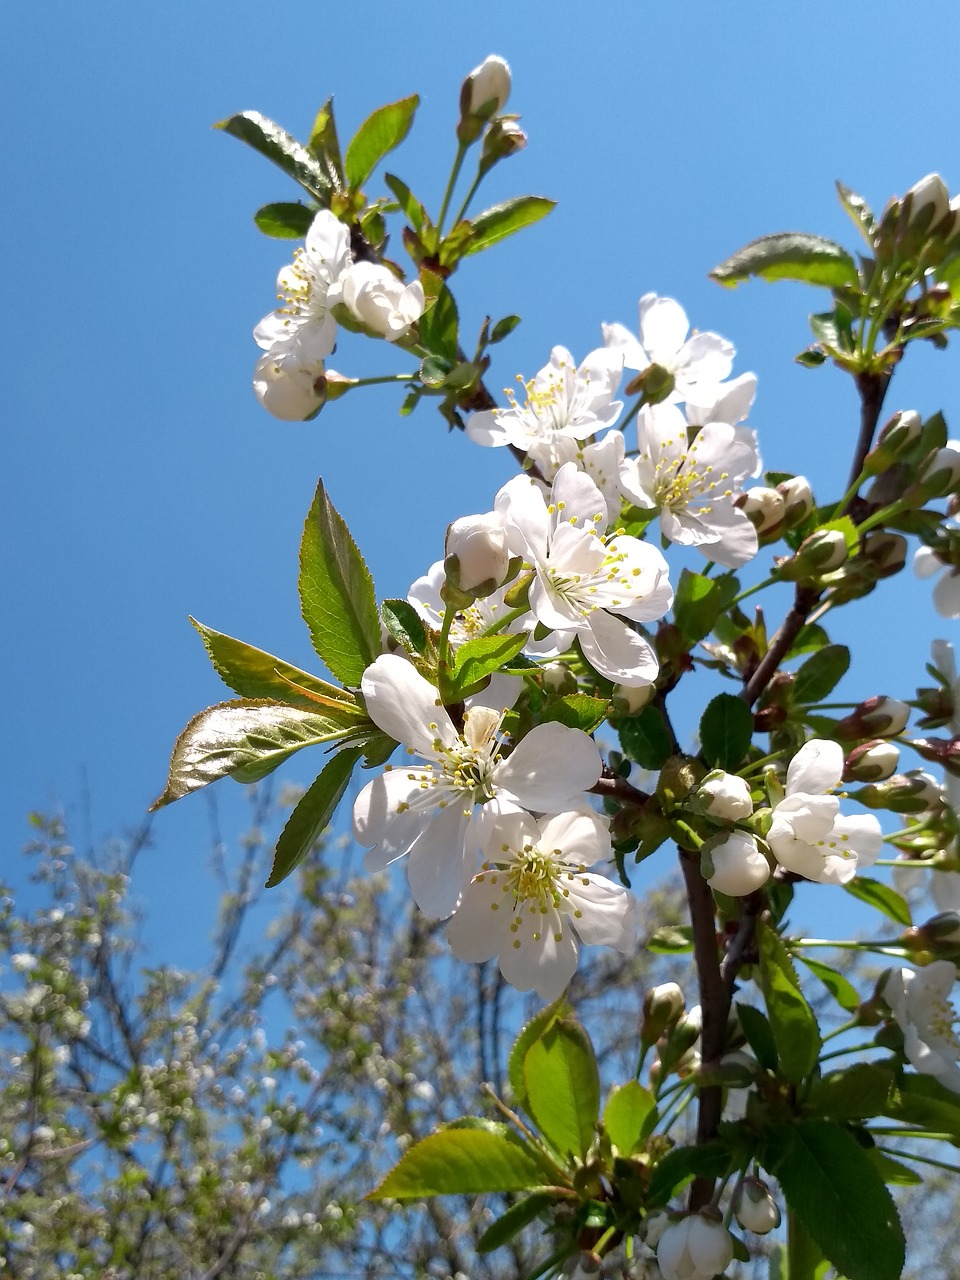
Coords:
pixel 756 1208
pixel 557 678
pixel 798 501
pixel 503 138
pixel 695 1248
pixel 374 295
pixel 887 552
pixel 895 441
pixel 878 717
pixel 943 751
pixel 871 762
pixel 928 201
pixel 662 1008
pixel 733 864
pixel 940 472
pixel 938 706
pixel 479 544
pixel 765 510
pixel 628 700
pixel 823 551
pixel 913 792
pixel 488 82
pixel 943 927
pixel 722 795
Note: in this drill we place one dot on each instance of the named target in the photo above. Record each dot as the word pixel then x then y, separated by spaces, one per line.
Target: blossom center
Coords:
pixel 546 402
pixel 679 481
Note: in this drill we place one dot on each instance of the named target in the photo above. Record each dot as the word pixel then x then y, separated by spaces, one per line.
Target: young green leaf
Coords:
pixel 517 1217
pixel 844 992
pixel 285 220
pixel 325 145
pixel 563 1088
pixel 336 593
pixel 502 220
pixel 820 674
pixel 881 896
pixel 671 940
pixel 794 1026
pixel 410 206
pixel 726 731
pixel 645 738
pixel 463 1161
pixel 834 1188
pixel 533 1030
pixel 245 740
pixel 856 1092
pixel 383 130
pixel 312 814
pixel 759 1035
pixel 861 215
pixel 790 255
pixel 699 601
pixel 627 1108
pixel 575 710
pixel 405 625
pixel 282 149
pixel 679 1166
pixel 923 1101
pixel 439 324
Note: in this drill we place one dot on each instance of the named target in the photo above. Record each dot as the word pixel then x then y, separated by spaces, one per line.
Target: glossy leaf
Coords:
pixel 382 130
pixel 861 215
pixel 462 1161
pixel 844 992
pixel 699 602
pixel 820 674
pixel 533 1030
pixel 794 1026
pixel 679 1166
pixel 405 625
pixel 575 710
pixel 336 593
pixel 285 221
pixel 502 220
pixel 325 145
pixel 881 896
pixel 623 1117
pixel 296 161
pixel 410 206
pixel 789 255
pixel 517 1217
pixel 835 1189
pixel 759 1035
pixel 726 731
pixel 857 1092
pixel 245 740
pixel 645 738
pixel 562 1085
pixel 923 1101
pixel 312 814
pixel 255 674
pixel 503 328
pixel 439 324
pixel 479 658
pixel 892 1171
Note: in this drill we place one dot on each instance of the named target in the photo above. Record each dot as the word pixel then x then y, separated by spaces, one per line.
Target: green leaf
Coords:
pixel 759 1035
pixel 861 215
pixel 563 1087
pixel 312 814
pixel 820 674
pixel 408 202
pixel 794 1026
pixel 671 940
pixel 575 710
pixel 325 145
pixel 517 1217
pixel 285 221
pixel 336 593
pixel 255 674
pixel 462 1161
pixel 854 1093
pixel 789 255
pixel 439 324
pixel 502 220
pixel 503 328
pixel 881 896
pixel 844 992
pixel 533 1030
pixel 645 738
pixel 892 1171
pixel 479 658
pixel 282 149
pixel 809 639
pixel 405 625
pixel 679 1166
pixel 726 731
pixel 834 1188
pixel 627 1108
pixel 245 740
pixel 699 602
pixel 923 1101
pixel 383 130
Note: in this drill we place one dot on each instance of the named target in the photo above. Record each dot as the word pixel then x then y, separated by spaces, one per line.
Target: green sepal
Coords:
pixel 280 147
pixel 562 1086
pixel 285 220
pixel 726 731
pixel 623 1117
pixel 881 896
pixel 532 1031
pixel 517 1217
pixel 245 740
pixel 336 593
pixel 795 1030
pixel 463 1161
pixel 790 255
pixel 405 625
pixel 820 674
pixel 502 220
pixel 312 814
pixel 382 130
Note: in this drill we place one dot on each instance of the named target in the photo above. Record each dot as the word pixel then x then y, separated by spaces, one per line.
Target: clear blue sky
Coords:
pixel 142 480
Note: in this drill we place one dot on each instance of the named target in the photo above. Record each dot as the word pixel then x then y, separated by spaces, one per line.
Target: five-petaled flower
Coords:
pixel 918 1000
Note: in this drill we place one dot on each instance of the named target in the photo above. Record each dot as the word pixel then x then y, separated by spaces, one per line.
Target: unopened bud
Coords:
pixel 940 472
pixel 941 928
pixel 733 864
pixel 479 544
pixel 872 762
pixel 556 677
pixel 765 509
pixel 938 706
pixel 798 501
pixel 879 717
pixel 821 552
pixel 887 552
pixel 943 751
pixel 913 792
pixel 928 201
pixel 895 441
pixel 756 1208
pixel 629 700
pixel 486 84
pixel 722 795
pixel 503 138
pixel 662 1007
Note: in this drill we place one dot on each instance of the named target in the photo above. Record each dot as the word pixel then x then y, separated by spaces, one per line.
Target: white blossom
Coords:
pixel 381 301
pixel 946 590
pixel 808 834
pixel 534 897
pixel 308 287
pixel 723 795
pixel 918 999
pixel 695 1248
pixel 435 811
pixel 697 362
pixel 734 864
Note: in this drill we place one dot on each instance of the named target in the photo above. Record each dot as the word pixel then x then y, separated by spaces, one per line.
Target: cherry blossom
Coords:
pixel 696 362
pixel 918 999
pixel 695 1248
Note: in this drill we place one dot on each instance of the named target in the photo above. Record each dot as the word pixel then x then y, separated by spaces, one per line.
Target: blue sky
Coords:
pixel 143 482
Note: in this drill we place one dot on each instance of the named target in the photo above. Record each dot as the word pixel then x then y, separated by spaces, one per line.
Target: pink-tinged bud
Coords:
pixel 913 792
pixel 503 138
pixel 490 82
pixel 765 510
pixel 724 796
pixel 938 706
pixel 879 717
pixel 479 544
pixel 940 472
pixel 887 552
pixel 929 201
pixel 943 751
pixel 871 762
pixel 733 864
pixel 798 501
pixel 756 1208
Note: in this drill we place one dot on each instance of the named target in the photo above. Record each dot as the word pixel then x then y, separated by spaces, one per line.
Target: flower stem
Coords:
pixel 451 183
pixel 469 196
pixel 767 582
pixel 909 1155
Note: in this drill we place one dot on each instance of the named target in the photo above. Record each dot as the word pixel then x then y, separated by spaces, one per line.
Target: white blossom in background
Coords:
pixel 729 402
pixel 697 362
pixel 808 834
pixel 380 301
pixel 534 897
pixel 695 1248
pixel 587 586
pixel 946 589
pixel 436 811
pixel 919 1001
pixel 693 486
pixel 289 384
pixel 564 403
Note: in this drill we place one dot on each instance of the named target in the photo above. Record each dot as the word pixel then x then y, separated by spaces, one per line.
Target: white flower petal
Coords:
pixel 614 649
pixel 817 766
pixel 549 768
pixel 406 706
